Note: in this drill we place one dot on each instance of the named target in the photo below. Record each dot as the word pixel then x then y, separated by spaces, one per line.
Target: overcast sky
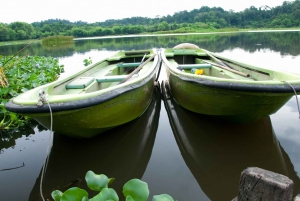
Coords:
pixel 100 10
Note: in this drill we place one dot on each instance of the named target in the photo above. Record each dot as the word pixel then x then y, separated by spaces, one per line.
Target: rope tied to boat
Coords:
pixel 43 99
pixel 295 96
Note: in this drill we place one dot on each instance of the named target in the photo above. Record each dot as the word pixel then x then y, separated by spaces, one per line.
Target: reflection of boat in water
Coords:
pixel 122 153
pixel 218 151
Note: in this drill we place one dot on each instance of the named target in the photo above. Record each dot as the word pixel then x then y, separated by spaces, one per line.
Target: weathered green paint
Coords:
pixel 94 120
pixel 237 106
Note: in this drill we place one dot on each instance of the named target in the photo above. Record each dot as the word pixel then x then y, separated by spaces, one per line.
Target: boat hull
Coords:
pixel 233 105
pixel 91 121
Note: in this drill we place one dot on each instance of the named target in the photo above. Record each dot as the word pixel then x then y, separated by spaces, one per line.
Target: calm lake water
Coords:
pixel 195 159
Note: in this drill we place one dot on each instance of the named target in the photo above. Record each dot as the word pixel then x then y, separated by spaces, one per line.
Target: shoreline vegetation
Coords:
pixel 53 40
pixel 199 20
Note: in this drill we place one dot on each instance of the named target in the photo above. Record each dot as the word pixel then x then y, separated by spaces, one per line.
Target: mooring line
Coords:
pixel 42 99
pixel 295 95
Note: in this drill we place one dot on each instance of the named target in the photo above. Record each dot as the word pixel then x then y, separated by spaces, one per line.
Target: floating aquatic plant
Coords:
pixel 19 74
pixel 133 190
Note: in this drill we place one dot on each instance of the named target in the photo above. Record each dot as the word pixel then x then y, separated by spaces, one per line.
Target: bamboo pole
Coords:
pixel 226 68
pixel 137 69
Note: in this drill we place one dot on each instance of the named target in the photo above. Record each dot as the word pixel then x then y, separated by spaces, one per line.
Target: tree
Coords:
pixel 23 30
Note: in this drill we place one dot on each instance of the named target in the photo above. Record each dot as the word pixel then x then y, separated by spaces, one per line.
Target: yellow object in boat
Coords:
pixel 199 72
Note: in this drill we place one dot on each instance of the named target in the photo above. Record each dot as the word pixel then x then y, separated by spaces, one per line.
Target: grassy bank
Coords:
pixel 17 42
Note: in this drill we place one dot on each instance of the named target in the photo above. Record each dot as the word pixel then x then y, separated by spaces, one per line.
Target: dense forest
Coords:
pixel 204 19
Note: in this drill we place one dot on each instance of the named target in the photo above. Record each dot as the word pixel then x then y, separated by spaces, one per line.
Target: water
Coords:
pixel 197 158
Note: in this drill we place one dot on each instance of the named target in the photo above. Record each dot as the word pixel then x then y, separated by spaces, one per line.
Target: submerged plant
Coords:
pixel 133 190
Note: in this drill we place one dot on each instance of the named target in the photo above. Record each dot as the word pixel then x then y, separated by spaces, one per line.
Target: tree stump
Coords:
pixel 259 184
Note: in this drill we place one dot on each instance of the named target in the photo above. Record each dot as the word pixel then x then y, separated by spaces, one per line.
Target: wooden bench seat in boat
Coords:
pixel 111 78
pixel 80 83
pixel 126 65
pixel 191 66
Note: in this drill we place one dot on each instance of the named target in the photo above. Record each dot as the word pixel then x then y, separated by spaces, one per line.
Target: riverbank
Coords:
pixel 157 34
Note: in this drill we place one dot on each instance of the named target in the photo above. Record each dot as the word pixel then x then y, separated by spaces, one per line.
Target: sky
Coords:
pixel 100 10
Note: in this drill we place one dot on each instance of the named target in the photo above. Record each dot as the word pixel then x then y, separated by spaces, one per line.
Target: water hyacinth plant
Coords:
pixel 19 74
pixel 133 190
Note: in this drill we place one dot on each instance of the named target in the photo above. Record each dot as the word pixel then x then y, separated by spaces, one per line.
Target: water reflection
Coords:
pixel 8 137
pixel 279 50
pixel 284 42
pixel 217 151
pixel 122 153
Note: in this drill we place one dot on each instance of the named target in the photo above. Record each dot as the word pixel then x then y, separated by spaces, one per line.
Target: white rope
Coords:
pixel 43 99
pixel 295 96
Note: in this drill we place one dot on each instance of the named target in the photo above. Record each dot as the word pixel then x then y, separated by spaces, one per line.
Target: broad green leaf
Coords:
pixel 96 182
pixel 129 198
pixel 137 189
pixel 162 197
pixel 74 194
pixel 85 198
pixel 107 194
pixel 56 195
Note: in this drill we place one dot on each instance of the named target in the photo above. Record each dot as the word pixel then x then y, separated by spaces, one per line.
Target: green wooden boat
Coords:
pixel 206 83
pixel 107 94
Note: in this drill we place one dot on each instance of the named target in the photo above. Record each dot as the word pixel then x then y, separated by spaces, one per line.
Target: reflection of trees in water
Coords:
pixel 283 42
pixel 8 137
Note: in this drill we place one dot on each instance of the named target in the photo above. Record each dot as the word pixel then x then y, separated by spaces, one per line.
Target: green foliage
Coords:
pixel 96 182
pixel 106 194
pixel 133 190
pixel 87 62
pixel 23 74
pixel 136 189
pixel 57 40
pixel 283 16
pixel 74 194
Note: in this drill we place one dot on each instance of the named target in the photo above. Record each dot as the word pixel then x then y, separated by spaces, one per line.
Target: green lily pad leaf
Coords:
pixel 137 189
pixel 129 198
pixel 56 195
pixel 74 194
pixel 96 182
pixel 106 194
pixel 85 198
pixel 162 197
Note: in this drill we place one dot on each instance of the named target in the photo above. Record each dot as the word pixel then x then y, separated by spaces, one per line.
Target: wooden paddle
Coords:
pixel 137 69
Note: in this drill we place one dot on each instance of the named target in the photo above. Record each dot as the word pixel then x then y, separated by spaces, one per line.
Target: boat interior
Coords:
pixel 103 75
pixel 205 65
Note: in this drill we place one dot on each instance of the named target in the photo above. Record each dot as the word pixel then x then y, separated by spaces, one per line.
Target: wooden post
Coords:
pixel 260 184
